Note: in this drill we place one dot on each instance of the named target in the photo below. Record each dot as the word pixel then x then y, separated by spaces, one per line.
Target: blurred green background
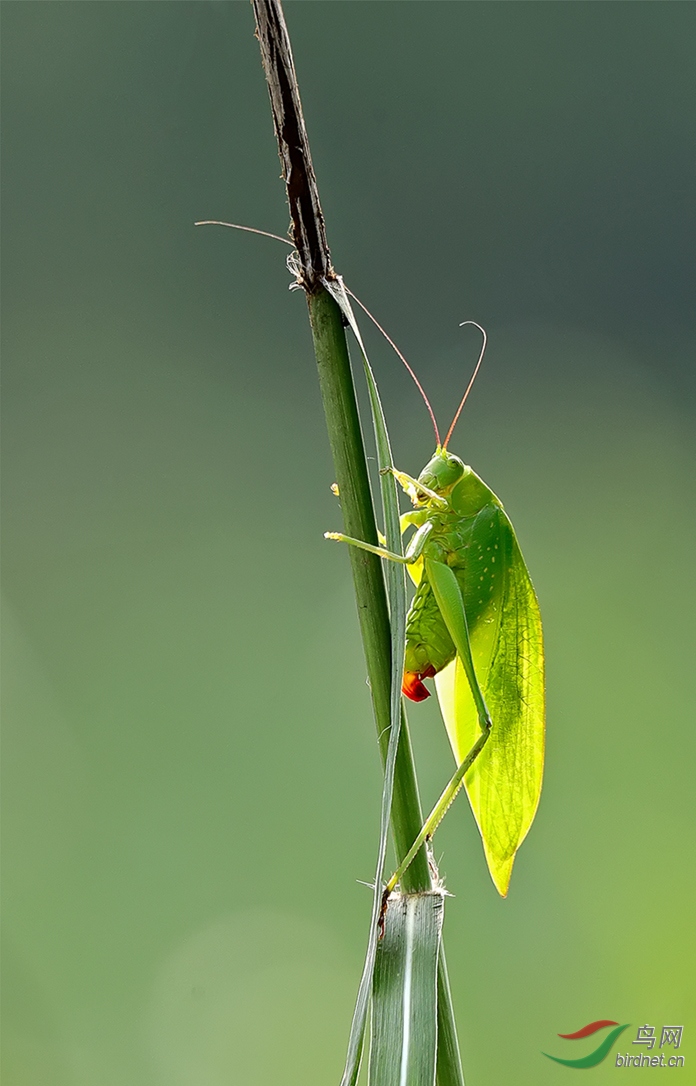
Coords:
pixel 191 775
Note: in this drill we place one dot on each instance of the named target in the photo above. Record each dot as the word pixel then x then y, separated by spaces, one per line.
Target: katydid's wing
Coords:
pixel 504 783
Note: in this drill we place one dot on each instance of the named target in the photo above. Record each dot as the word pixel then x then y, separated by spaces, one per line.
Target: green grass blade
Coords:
pixel 345 436
pixel 404 1006
pixel 396 597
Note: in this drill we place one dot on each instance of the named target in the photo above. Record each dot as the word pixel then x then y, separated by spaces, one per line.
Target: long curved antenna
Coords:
pixel 390 341
pixel 249 229
pixel 473 378
pixel 392 344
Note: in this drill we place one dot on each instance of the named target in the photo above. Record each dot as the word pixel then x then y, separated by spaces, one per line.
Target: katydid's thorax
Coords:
pixel 452 527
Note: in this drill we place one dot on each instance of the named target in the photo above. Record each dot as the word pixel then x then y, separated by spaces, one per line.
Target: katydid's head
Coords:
pixel 442 472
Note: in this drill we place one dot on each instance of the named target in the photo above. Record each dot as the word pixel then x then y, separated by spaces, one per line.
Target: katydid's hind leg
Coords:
pixel 440 809
pixel 449 600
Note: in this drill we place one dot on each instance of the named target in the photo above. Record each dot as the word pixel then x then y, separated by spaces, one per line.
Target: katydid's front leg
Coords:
pixel 413 551
pixel 413 488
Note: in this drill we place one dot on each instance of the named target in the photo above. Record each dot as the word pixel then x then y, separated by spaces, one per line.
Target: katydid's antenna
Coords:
pixel 249 229
pixel 390 341
pixel 473 378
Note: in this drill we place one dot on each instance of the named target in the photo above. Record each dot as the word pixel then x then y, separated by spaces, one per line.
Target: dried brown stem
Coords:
pixel 308 229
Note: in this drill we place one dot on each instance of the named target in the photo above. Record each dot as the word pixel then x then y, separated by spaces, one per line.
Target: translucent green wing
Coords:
pixel 504 783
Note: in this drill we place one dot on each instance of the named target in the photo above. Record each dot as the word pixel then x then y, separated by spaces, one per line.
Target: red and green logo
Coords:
pixel 603 1049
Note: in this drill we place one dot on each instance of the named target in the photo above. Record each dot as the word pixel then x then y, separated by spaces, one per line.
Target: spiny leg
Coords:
pixel 439 810
pixel 449 600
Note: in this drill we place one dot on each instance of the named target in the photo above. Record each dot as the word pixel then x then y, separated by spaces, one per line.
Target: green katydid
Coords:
pixel 473 625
